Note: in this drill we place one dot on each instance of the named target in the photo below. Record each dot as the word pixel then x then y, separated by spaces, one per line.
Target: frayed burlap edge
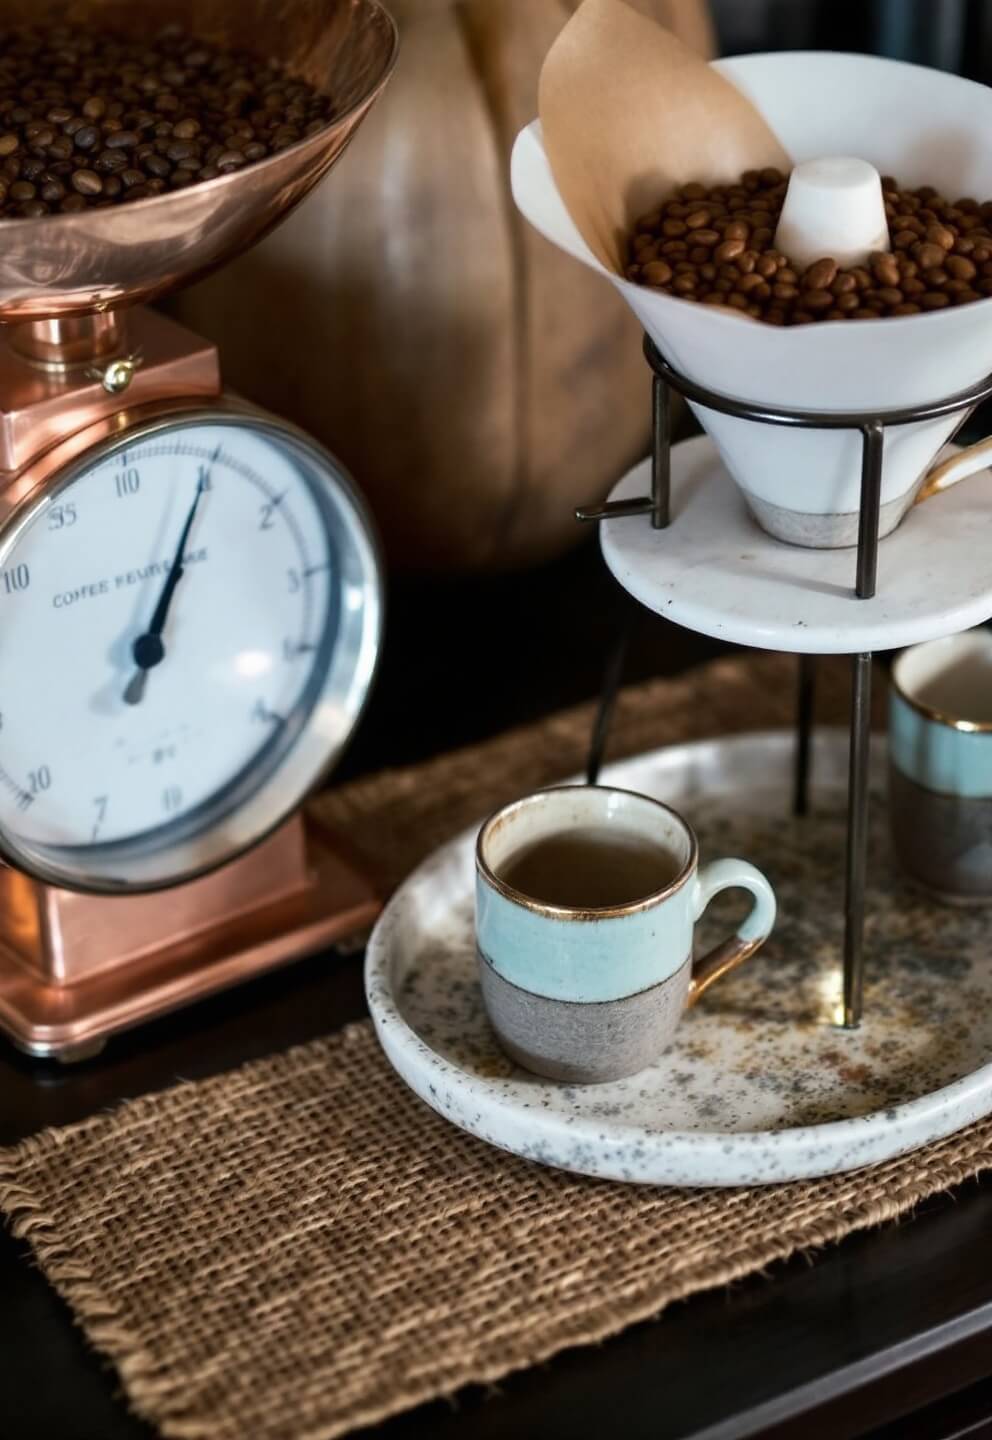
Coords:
pixel 817 1213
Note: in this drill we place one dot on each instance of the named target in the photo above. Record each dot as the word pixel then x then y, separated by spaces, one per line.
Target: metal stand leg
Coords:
pixel 857 839
pixel 872 436
pixel 608 698
pixel 804 725
pixel 857 796
pixel 661 456
pixel 658 503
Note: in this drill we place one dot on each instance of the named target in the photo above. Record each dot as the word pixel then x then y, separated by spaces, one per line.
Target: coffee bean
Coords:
pixel 110 160
pixel 122 139
pixel 729 249
pixel 820 275
pixel 657 272
pixel 933 300
pixel 86 137
pixel 87 182
pixel 960 267
pixel 886 270
pixel 940 235
pixel 8 144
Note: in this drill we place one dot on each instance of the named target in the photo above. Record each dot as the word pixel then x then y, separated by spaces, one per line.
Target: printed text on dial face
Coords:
pixel 80 765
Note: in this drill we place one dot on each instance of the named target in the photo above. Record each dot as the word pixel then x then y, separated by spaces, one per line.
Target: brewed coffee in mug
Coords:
pixel 586 902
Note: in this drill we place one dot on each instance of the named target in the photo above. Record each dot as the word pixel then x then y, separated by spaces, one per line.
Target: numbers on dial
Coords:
pixel 18 577
pixel 268 510
pixel 100 810
pixel 172 799
pixel 127 482
pixel 39 780
pixel 61 517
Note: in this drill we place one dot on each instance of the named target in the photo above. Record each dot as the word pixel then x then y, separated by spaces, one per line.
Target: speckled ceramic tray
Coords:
pixel 760 1085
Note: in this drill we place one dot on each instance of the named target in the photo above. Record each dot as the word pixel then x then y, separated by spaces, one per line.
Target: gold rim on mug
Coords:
pixel 930 712
pixel 580 912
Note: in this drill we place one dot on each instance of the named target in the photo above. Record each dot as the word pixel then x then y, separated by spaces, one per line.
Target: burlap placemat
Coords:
pixel 301 1247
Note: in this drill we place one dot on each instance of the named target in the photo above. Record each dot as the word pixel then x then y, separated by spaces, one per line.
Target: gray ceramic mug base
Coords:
pixel 584 1042
pixel 823 532
pixel 944 842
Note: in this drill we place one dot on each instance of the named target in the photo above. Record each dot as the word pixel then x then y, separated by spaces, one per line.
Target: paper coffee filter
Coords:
pixel 920 125
pixel 629 112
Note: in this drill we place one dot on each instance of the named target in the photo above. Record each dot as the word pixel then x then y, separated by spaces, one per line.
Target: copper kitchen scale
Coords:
pixel 157 738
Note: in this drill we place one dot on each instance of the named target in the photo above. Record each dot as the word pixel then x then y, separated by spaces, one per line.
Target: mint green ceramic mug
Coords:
pixel 589 992
pixel 940 765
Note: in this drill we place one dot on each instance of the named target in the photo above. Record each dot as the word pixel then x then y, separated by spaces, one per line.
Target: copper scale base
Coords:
pixel 75 968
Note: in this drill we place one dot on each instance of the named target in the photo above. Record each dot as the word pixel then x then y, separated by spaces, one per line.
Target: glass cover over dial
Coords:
pixel 189 622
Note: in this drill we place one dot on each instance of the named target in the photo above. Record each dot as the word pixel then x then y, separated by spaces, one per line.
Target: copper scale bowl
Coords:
pixel 60 266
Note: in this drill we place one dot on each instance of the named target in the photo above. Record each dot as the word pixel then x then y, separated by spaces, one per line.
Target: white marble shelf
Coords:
pixel 716 572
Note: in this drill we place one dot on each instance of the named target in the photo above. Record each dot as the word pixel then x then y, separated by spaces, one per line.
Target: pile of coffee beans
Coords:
pixel 89 118
pixel 714 244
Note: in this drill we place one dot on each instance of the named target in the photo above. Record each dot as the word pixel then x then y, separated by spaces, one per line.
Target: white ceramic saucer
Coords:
pixel 761 1085
pixel 715 571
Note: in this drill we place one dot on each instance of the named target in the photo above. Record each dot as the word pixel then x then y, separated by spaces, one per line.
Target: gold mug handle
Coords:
pixel 956 467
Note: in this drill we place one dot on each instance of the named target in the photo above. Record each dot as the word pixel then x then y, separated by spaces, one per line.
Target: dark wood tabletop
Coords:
pixel 887 1334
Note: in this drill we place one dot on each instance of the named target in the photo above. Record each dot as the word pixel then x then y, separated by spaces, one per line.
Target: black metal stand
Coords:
pixel 658 506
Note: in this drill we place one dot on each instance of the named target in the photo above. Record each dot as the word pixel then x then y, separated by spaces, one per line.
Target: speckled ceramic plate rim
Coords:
pixel 635 1152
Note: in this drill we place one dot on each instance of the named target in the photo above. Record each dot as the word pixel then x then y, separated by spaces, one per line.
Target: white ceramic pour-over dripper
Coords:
pixel 925 128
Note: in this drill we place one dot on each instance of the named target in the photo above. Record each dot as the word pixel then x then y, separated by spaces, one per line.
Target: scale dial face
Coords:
pixel 189 622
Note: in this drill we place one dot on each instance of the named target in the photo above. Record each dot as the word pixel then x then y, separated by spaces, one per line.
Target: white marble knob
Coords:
pixel 832 207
